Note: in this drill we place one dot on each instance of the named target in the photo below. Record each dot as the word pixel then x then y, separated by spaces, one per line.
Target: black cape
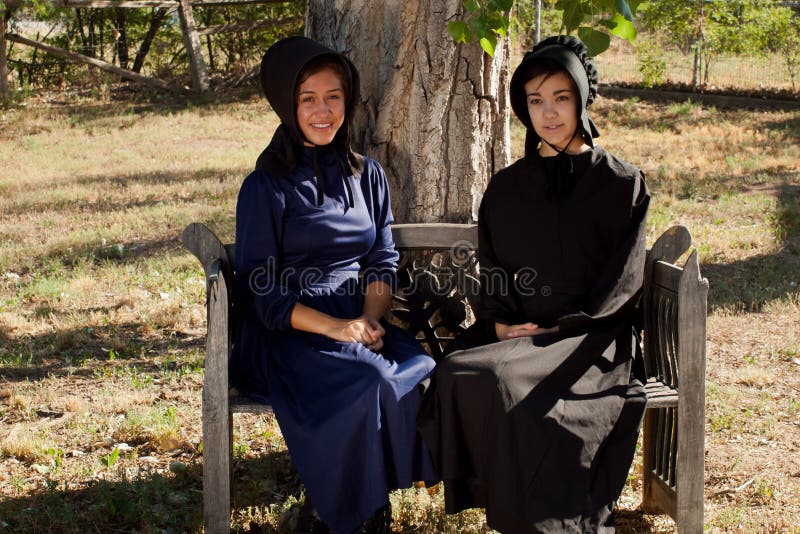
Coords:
pixel 541 430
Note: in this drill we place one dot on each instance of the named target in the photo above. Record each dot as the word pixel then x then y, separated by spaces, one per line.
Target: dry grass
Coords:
pixel 102 319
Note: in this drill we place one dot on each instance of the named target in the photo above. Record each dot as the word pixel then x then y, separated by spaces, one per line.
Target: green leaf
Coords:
pixel 623 28
pixel 606 5
pixel 501 31
pixel 488 44
pixel 498 23
pixel 472 5
pixel 480 25
pixel 572 15
pixel 607 23
pixel 634 5
pixel 459 31
pixel 624 9
pixel 500 5
pixel 596 41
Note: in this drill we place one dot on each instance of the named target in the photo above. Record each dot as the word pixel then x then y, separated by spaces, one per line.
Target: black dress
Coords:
pixel 541 430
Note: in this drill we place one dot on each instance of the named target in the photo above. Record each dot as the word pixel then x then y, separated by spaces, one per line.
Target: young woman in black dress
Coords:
pixel 535 414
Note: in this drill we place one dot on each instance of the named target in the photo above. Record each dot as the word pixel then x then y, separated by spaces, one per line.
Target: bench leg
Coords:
pixel 690 474
pixel 217 450
pixel 648 443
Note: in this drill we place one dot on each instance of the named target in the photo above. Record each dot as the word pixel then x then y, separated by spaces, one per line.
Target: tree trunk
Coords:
pixel 122 38
pixel 82 32
pixel 191 41
pixel 207 21
pixel 157 16
pixel 101 31
pixel 3 59
pixel 433 113
pixel 91 52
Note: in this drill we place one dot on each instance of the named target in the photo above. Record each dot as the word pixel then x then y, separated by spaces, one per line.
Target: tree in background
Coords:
pixel 523 22
pixel 709 29
pixel 782 35
pixel 144 40
pixel 432 111
pixel 434 104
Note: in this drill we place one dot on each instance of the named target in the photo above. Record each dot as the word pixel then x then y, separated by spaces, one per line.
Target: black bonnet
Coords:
pixel 280 68
pixel 571 55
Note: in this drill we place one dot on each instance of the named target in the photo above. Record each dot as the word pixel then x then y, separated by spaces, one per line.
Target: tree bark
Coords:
pixel 433 113
pixel 3 59
pixel 122 38
pixel 191 41
pixel 157 16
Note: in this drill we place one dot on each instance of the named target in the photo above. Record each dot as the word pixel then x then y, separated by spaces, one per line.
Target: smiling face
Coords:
pixel 320 107
pixel 553 108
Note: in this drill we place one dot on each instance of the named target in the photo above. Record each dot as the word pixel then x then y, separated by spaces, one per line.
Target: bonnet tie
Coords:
pixel 561 172
pixel 321 178
pixel 345 178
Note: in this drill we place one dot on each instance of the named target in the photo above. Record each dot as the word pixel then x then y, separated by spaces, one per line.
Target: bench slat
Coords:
pixel 435 236
pixel 241 404
pixel 667 275
pixel 660 395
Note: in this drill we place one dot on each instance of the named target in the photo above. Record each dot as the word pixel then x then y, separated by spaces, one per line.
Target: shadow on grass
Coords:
pixel 790 124
pixel 749 284
pixel 148 502
pixel 637 522
pixel 86 352
pixel 117 183
pixel 689 184
pixel 84 113
pixel 160 178
pixel 117 253
pixel 178 209
pixel 165 502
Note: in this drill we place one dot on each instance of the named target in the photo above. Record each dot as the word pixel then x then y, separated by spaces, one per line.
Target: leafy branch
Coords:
pixel 485 20
pixel 593 20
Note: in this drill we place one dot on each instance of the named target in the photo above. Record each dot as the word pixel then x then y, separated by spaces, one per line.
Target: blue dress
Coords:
pixel 347 414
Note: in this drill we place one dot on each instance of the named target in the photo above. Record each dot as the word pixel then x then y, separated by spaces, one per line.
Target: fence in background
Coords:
pixel 628 64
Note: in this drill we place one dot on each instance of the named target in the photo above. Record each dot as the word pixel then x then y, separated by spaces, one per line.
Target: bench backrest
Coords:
pixel 674 301
pixel 438 285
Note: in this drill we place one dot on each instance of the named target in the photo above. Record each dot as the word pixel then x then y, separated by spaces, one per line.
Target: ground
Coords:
pixel 102 321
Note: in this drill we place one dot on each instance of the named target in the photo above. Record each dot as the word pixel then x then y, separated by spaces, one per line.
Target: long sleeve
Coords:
pixel 380 264
pixel 259 226
pixel 496 300
pixel 618 285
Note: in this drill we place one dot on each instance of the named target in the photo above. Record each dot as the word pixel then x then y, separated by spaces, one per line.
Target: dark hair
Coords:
pixel 545 66
pixel 580 50
pixel 548 68
pixel 321 63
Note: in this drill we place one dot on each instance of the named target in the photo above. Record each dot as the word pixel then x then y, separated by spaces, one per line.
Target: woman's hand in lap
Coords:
pixel 362 330
pixel 511 331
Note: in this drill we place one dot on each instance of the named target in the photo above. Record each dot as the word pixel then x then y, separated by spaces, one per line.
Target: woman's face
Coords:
pixel 320 107
pixel 553 108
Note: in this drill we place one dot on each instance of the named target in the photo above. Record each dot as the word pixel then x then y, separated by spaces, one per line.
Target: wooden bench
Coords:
pixel 438 287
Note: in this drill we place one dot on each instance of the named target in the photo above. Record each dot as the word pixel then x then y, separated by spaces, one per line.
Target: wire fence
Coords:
pixel 625 63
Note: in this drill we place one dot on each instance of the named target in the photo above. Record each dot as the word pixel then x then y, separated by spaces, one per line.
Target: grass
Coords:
pixel 621 64
pixel 102 318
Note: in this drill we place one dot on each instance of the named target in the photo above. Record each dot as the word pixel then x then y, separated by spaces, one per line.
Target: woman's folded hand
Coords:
pixel 511 331
pixel 364 330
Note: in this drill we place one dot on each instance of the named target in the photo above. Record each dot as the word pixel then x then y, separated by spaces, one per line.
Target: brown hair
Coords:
pixel 548 68
pixel 321 63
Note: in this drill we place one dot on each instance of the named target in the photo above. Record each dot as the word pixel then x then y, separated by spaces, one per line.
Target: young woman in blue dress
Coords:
pixel 315 269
